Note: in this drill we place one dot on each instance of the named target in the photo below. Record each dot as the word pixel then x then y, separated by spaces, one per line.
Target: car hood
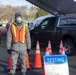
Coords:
pixel 56 7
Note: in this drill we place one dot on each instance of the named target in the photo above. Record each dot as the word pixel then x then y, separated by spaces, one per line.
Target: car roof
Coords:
pixel 43 17
pixel 40 19
pixel 56 7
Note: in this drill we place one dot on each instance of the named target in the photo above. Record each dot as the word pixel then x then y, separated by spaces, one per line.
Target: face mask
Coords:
pixel 18 19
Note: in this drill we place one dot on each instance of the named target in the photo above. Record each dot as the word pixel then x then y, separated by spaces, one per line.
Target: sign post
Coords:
pixel 56 65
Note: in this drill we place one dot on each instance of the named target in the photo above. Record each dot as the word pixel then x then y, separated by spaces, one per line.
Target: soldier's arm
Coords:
pixel 9 38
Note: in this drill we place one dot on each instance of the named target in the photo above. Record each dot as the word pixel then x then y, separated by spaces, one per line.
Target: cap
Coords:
pixel 18 14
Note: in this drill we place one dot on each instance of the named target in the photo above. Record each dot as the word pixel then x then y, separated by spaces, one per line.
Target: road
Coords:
pixel 4 59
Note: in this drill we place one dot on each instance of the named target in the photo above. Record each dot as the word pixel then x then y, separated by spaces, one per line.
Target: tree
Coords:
pixel 7 12
pixel 32 12
pixel 40 12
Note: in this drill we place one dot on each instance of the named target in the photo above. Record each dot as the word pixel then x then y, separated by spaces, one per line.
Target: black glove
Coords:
pixel 9 51
pixel 28 50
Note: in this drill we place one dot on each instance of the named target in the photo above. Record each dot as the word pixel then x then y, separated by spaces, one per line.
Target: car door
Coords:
pixel 45 30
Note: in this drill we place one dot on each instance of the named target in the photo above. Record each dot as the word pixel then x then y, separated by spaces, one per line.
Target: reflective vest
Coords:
pixel 19 35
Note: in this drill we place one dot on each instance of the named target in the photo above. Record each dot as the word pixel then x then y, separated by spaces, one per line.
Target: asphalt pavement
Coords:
pixel 4 60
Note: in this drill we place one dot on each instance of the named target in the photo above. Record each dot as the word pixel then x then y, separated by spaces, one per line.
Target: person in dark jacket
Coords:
pixel 7 25
pixel 18 43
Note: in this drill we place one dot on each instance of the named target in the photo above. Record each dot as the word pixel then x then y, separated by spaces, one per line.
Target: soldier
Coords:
pixel 18 43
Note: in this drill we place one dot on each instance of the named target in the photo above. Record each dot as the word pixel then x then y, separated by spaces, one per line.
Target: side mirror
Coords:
pixel 36 25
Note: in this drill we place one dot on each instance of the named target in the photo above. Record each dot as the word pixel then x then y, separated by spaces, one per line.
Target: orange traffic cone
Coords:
pixel 61 46
pixel 43 71
pixel 49 47
pixel 9 62
pixel 47 51
pixel 37 59
pixel 63 51
pixel 27 62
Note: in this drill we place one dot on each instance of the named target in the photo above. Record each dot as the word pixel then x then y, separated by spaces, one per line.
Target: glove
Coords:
pixel 9 51
pixel 28 50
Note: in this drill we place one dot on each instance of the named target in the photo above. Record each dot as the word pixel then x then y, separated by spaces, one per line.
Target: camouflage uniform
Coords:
pixel 18 49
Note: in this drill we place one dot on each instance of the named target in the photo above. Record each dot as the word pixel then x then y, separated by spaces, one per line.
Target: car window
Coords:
pixel 67 22
pixel 44 23
pixel 51 24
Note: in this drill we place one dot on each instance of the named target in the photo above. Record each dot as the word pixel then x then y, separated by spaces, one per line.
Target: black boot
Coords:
pixel 23 73
pixel 12 73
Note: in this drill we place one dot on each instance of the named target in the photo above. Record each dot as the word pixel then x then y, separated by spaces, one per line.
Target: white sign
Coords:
pixel 56 65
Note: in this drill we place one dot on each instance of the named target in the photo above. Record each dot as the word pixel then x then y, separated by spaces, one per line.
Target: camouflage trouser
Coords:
pixel 14 57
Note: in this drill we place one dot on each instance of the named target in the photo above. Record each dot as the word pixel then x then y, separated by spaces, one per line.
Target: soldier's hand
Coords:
pixel 9 51
pixel 28 51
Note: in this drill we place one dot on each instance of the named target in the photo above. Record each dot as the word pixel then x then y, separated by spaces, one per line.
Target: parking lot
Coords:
pixel 4 59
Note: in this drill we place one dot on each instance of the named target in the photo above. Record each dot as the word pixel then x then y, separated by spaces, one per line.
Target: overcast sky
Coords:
pixel 15 2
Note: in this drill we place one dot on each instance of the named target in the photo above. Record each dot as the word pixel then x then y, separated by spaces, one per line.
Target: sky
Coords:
pixel 15 2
